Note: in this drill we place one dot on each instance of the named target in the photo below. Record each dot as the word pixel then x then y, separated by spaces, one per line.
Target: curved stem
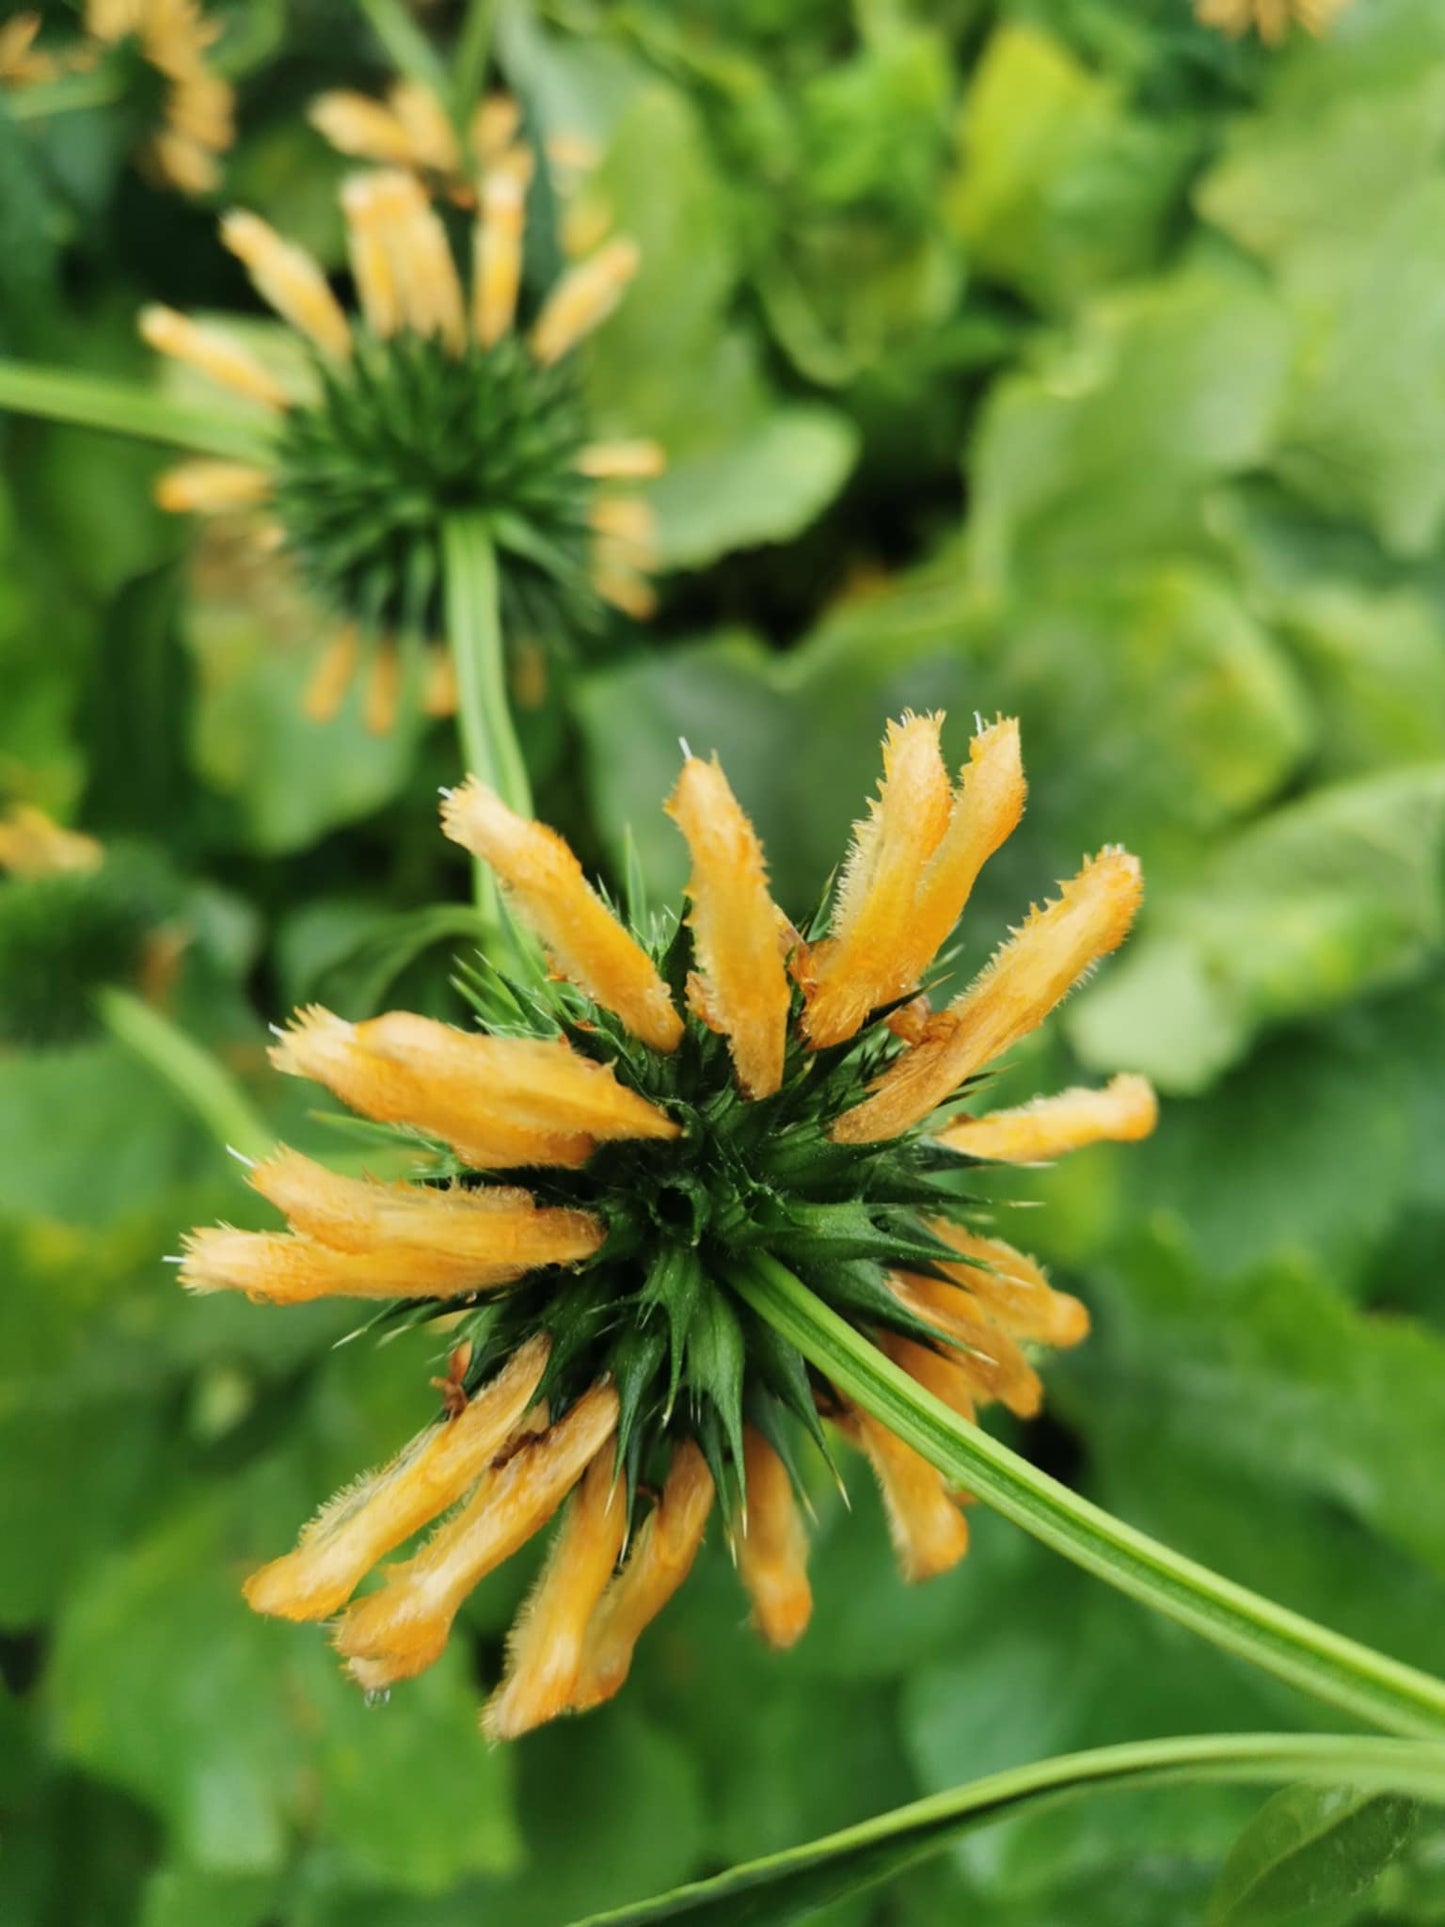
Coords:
pixel 484 716
pixel 121 408
pixel 203 1084
pixel 1293 1648
pixel 785 1885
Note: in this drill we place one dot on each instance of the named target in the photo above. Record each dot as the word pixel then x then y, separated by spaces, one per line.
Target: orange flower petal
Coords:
pixel 369 1519
pixel 990 1360
pixel 544 1648
pixel 1123 1112
pixel 545 886
pixel 497 245
pixel 398 1632
pixel 288 279
pixel 1032 973
pixel 660 1560
pixel 583 298
pixel 1012 1289
pixel 742 986
pixel 929 1533
pixel 772 1546
pixel 497 1101
pixel 217 354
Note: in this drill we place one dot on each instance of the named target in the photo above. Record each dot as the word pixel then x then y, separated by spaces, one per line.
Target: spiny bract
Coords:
pixel 804 1107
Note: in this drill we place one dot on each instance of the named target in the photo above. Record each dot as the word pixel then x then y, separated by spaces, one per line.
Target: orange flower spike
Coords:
pixel 741 988
pixel 772 1546
pixel 867 959
pixel 1012 1288
pixel 660 1560
pixel 368 1520
pixel 492 1224
pixel 398 1632
pixel 498 1101
pixel 583 299
pixel 1123 1112
pixel 217 354
pixel 544 1649
pixel 545 886
pixel 497 246
pixel 288 280
pixel 1014 993
pixel 929 1533
pixel 990 1360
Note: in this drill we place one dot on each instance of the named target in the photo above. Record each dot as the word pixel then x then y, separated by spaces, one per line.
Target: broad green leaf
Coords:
pixel 765 486
pixel 1309 1846
pixel 1061 190
pixel 1103 451
pixel 1337 895
pixel 790 1886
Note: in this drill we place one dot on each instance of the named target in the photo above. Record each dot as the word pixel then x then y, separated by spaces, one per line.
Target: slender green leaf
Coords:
pixel 92 401
pixel 788 1886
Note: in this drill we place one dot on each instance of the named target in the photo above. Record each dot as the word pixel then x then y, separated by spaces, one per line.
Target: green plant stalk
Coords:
pixel 490 748
pixel 204 1085
pixel 784 1885
pixel 121 408
pixel 64 94
pixel 404 44
pixel 473 52
pixel 1365 1683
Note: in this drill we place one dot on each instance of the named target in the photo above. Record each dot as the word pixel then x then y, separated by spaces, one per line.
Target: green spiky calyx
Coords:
pixel 405 436
pixel 655 1309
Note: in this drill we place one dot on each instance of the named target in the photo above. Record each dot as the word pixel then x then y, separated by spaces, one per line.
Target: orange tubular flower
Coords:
pixel 604 1361
pixel 1270 19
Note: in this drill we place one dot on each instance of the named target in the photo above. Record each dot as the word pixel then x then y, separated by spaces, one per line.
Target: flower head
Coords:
pixel 439 397
pixel 598 1161
pixel 167 42
pixel 1270 19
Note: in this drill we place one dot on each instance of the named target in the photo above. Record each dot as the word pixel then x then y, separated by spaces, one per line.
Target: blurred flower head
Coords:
pixel 167 44
pixel 685 1097
pixel 1270 19
pixel 434 400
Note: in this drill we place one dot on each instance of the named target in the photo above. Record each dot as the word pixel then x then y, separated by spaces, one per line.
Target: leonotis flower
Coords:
pixel 1271 19
pixel 168 42
pixel 594 1166
pixel 431 402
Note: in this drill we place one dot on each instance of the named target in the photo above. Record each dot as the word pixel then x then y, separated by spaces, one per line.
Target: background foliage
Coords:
pixel 1062 358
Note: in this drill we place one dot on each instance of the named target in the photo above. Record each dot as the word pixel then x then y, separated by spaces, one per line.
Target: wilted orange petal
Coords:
pixel 741 988
pixel 1124 1111
pixel 1032 972
pixel 660 1559
pixel 936 1372
pixel 990 1359
pixel 1013 1289
pixel 545 886
pixel 368 1520
pixel 544 1648
pixel 772 1546
pixel 929 1533
pixel 399 1631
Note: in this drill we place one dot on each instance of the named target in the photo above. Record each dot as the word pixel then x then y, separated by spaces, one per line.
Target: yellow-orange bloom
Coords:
pixel 399 1631
pixel 1123 1112
pixel 545 886
pixel 1270 19
pixel 910 872
pixel 741 985
pixel 1033 971
pixel 930 1534
pixel 371 1518
pixel 772 1546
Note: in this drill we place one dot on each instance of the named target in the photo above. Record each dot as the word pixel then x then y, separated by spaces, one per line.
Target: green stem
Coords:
pixel 473 52
pixel 203 1084
pixel 92 401
pixel 490 748
pixel 785 1885
pixel 1348 1675
pixel 404 44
